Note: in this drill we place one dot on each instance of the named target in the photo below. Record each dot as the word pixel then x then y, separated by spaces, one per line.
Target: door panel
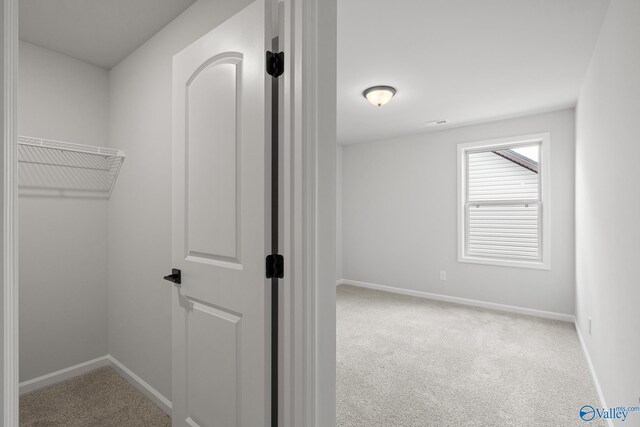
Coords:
pixel 221 205
pixel 214 163
pixel 213 371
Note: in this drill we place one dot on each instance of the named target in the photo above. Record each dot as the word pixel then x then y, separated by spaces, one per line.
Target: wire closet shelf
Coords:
pixel 64 169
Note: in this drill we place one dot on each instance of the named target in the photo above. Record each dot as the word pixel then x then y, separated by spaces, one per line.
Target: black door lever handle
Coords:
pixel 175 276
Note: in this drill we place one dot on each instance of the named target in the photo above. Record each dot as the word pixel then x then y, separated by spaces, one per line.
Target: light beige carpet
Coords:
pixel 100 398
pixel 406 361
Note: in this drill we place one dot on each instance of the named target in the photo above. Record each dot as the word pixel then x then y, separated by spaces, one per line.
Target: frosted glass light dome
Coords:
pixel 379 95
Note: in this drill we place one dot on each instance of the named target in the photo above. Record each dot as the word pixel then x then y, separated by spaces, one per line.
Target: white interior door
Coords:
pixel 220 235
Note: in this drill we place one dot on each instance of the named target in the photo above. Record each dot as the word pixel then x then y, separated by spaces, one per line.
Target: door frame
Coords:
pixel 308 243
pixel 10 394
pixel 308 202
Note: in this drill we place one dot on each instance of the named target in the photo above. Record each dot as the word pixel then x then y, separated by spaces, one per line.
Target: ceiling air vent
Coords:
pixel 437 122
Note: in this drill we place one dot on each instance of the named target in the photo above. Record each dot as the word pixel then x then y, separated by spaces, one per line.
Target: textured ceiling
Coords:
pixel 100 32
pixel 462 60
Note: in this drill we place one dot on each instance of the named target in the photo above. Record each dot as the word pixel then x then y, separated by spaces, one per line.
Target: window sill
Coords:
pixel 506 263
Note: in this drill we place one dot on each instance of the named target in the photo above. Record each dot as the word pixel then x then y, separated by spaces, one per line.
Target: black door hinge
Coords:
pixel 275 63
pixel 275 266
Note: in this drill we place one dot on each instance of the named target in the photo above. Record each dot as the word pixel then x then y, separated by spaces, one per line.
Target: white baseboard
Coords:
pixel 463 301
pixel 144 387
pixel 82 368
pixel 592 370
pixel 63 374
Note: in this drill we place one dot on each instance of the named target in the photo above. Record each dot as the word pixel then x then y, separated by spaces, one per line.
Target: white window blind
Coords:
pixel 503 204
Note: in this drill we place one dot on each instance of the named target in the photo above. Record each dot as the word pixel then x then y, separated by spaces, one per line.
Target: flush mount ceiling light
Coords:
pixel 379 95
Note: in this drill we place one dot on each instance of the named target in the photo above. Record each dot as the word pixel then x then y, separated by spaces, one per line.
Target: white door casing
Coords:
pixel 221 205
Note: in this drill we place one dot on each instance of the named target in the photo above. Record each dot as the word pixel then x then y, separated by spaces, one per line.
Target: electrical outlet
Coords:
pixel 443 275
pixel 589 319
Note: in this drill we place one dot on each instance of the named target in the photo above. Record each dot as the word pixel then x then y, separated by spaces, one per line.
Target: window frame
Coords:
pixel 544 172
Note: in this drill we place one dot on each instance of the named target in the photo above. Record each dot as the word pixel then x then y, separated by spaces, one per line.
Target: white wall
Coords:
pixel 339 255
pixel 608 206
pixel 399 217
pixel 2 204
pixel 62 241
pixel 140 206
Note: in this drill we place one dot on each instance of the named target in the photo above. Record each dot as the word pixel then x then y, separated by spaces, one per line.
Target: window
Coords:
pixel 503 202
